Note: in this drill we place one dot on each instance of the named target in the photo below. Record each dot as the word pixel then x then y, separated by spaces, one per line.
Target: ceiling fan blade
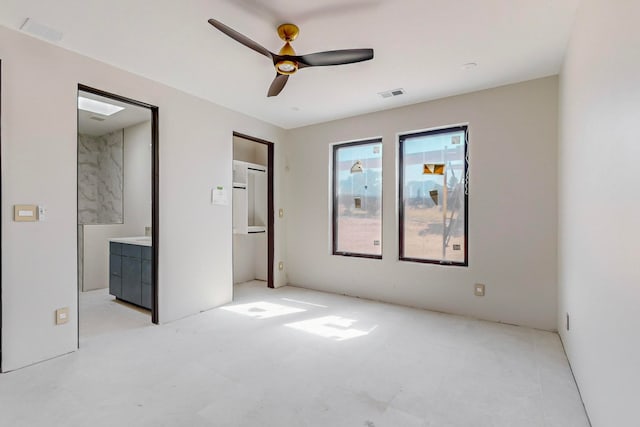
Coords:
pixel 241 38
pixel 278 84
pixel 334 57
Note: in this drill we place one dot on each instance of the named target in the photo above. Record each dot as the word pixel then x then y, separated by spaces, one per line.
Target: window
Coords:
pixel 357 199
pixel 433 196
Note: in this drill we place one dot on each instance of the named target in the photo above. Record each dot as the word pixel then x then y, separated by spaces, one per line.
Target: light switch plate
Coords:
pixel 25 213
pixel 62 316
pixel 479 289
pixel 281 213
pixel 42 213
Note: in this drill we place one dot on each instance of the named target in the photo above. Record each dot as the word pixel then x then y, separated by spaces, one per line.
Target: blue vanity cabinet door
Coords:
pixel 115 248
pixel 115 265
pixel 146 281
pixel 146 271
pixel 115 270
pixel 133 251
pixel 131 275
pixel 146 296
pixel 115 286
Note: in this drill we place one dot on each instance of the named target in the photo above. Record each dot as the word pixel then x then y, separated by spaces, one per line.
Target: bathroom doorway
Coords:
pixel 117 212
pixel 253 211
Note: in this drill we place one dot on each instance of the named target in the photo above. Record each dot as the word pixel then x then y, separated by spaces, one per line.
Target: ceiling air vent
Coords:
pixel 391 93
pixel 97 118
pixel 39 30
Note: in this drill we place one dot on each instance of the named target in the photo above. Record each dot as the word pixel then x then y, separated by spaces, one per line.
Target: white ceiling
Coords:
pixel 131 115
pixel 420 45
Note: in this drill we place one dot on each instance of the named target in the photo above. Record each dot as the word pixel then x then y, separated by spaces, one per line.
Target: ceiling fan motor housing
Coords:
pixel 284 65
pixel 288 32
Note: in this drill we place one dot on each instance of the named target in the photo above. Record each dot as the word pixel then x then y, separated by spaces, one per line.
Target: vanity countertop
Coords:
pixel 141 241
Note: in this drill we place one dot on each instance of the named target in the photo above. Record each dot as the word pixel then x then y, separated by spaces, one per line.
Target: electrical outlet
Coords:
pixel 478 289
pixel 281 265
pixel 62 316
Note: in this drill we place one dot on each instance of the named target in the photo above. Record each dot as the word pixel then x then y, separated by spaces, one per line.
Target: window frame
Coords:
pixel 401 236
pixel 335 202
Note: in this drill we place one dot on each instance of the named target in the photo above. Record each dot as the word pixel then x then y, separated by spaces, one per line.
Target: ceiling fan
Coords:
pixel 287 62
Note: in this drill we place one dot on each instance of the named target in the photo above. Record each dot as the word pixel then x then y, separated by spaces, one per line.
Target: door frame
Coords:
pixel 270 205
pixel 155 191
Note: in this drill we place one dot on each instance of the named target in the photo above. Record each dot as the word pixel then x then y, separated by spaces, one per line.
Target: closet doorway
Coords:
pixel 253 210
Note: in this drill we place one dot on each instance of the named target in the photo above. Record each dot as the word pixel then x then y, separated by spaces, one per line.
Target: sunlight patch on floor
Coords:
pixel 262 309
pixel 336 327
pixel 304 302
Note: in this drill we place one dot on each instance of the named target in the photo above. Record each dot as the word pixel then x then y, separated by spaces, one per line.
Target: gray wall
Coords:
pixel 512 208
pixel 39 166
pixel 599 281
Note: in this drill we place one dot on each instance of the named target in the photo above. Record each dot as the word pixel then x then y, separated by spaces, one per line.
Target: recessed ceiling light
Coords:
pixel 35 28
pixel 469 65
pixel 98 107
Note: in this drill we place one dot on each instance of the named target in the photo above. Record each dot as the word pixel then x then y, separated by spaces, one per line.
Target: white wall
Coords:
pixel 137 178
pixel 250 257
pixel 249 151
pixel 512 208
pixel 599 277
pixel 39 166
pixel 95 257
pixel 244 248
pixel 137 207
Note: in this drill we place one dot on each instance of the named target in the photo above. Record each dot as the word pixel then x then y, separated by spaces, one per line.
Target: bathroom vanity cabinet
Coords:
pixel 130 270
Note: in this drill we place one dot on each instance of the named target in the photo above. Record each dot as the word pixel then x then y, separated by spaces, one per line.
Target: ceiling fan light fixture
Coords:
pixel 286 67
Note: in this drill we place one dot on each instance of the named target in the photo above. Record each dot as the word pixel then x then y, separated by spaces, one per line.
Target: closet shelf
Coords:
pixel 249 198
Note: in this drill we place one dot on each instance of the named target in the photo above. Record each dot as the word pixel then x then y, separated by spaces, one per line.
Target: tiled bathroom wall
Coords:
pixel 100 178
